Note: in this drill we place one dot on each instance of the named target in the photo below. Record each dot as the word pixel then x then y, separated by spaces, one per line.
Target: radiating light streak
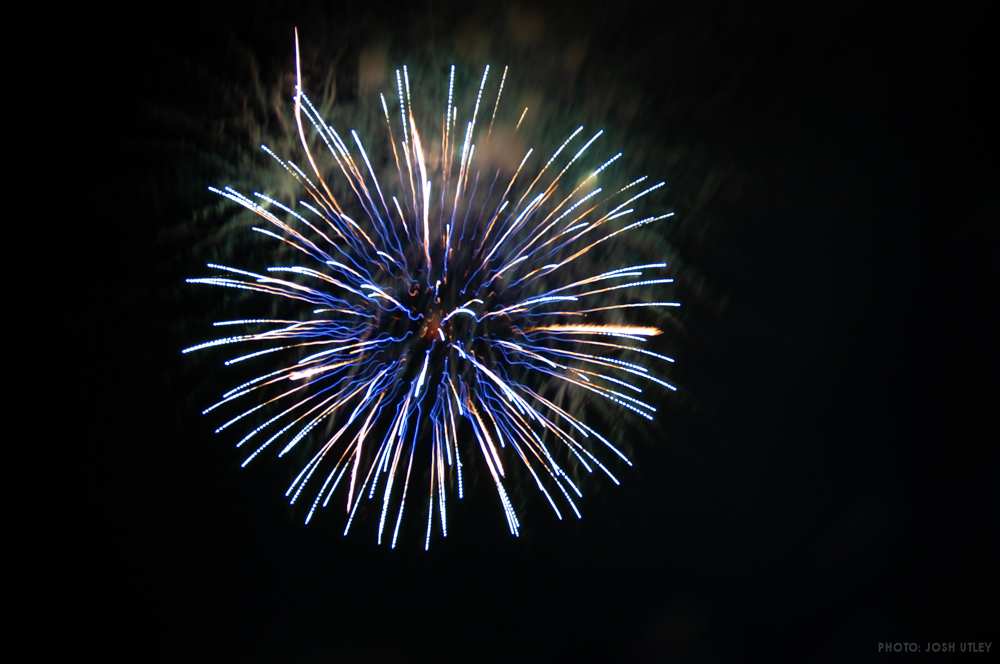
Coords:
pixel 638 330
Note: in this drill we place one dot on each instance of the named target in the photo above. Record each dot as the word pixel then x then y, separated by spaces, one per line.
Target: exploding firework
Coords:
pixel 443 315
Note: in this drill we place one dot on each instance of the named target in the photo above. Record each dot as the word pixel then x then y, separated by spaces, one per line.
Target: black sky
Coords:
pixel 822 484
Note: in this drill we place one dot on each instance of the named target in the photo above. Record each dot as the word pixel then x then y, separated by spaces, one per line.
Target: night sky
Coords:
pixel 821 483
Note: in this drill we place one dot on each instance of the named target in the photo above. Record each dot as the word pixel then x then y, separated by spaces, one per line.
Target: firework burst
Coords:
pixel 441 316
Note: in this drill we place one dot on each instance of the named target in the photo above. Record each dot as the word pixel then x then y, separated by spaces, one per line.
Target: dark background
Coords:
pixel 823 483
